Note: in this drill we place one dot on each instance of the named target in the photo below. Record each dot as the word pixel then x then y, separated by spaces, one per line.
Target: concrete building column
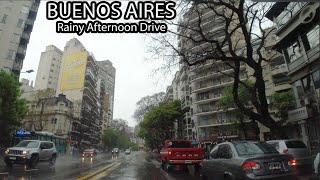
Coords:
pixel 304 132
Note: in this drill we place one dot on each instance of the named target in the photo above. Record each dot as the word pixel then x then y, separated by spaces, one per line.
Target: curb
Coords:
pixel 90 175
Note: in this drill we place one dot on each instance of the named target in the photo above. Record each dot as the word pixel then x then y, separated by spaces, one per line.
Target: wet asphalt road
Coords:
pixel 141 166
pixel 65 168
pixel 136 166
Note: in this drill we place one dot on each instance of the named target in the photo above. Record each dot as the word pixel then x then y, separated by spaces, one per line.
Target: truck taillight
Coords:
pixel 169 152
pixel 285 151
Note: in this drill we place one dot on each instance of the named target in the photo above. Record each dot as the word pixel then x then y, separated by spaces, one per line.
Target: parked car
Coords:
pixel 128 151
pixel 247 160
pixel 297 149
pixel 180 152
pixel 89 153
pixel 30 152
pixel 115 151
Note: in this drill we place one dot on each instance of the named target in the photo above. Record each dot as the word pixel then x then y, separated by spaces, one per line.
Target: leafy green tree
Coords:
pixel 157 124
pixel 281 102
pixel 12 109
pixel 113 138
pixel 227 101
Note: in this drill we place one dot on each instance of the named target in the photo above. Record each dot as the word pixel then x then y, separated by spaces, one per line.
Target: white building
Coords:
pixel 16 24
pixel 49 68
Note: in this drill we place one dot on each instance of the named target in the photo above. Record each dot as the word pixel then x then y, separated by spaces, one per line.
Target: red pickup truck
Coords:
pixel 180 152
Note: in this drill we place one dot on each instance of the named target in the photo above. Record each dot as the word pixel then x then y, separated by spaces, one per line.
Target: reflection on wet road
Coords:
pixel 65 168
pixel 140 166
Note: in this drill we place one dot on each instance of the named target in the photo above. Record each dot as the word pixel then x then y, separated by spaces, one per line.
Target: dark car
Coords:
pixel 115 151
pixel 247 160
pixel 89 153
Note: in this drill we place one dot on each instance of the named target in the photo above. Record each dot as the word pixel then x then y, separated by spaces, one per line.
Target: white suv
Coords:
pixel 30 152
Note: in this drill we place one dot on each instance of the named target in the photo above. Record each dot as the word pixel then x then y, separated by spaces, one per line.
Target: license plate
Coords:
pixel 188 161
pixel 13 158
pixel 275 166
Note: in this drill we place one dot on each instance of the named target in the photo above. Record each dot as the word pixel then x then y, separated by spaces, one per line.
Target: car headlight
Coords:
pixel 7 151
pixel 25 152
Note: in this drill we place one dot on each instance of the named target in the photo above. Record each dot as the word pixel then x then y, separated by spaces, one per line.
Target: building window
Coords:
pixel 4 18
pixel 297 89
pixel 294 51
pixel 25 10
pixel 308 85
pixel 11 54
pixel 20 23
pixel 15 38
pixel 313 38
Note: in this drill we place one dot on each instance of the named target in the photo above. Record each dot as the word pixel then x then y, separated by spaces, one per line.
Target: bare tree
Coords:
pixel 37 112
pixel 222 31
pixel 145 104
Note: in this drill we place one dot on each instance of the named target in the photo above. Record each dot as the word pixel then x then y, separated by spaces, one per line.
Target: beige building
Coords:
pixel 16 23
pixel 49 68
pixel 78 80
pixel 56 117
pixel 107 74
pixel 298 39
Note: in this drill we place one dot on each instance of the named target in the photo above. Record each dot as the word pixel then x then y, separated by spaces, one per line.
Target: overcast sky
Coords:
pixel 134 77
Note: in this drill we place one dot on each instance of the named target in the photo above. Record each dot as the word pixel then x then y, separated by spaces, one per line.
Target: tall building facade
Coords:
pixel 78 80
pixel 298 39
pixel 16 24
pixel 49 68
pixel 204 83
pixel 107 74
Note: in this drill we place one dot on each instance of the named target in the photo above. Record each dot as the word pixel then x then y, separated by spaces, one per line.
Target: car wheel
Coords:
pixel 33 161
pixel 53 160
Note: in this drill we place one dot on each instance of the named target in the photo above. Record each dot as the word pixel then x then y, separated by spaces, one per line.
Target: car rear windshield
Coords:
pixel 28 144
pixel 295 144
pixel 252 148
pixel 179 144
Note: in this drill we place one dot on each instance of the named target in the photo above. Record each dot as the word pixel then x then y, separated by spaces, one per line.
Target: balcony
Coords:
pixel 17 65
pixel 288 13
pixel 21 52
pixel 75 121
pixel 91 75
pixel 75 130
pixel 211 97
pixel 187 126
pixel 90 93
pixel 279 69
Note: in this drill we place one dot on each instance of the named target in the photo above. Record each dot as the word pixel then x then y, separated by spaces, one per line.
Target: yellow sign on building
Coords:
pixel 74 69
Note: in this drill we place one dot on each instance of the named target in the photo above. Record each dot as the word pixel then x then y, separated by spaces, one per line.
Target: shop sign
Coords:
pixel 298 114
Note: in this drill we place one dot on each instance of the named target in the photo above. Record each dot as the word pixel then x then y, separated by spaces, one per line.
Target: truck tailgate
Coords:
pixel 185 153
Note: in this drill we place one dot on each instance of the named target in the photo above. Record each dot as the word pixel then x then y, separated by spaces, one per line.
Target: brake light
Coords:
pixel 169 152
pixel 285 151
pixel 292 162
pixel 251 165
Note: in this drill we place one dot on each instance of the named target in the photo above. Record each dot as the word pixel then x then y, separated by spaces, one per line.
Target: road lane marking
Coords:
pixel 90 175
pixel 106 172
pixel 5 173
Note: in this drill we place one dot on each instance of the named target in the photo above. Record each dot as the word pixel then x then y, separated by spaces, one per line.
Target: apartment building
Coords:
pixel 16 24
pixel 49 68
pixel 298 39
pixel 107 73
pixel 204 83
pixel 78 80
pixel 56 116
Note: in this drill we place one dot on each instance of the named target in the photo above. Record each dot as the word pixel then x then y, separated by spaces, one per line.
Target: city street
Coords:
pixel 136 166
pixel 65 168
